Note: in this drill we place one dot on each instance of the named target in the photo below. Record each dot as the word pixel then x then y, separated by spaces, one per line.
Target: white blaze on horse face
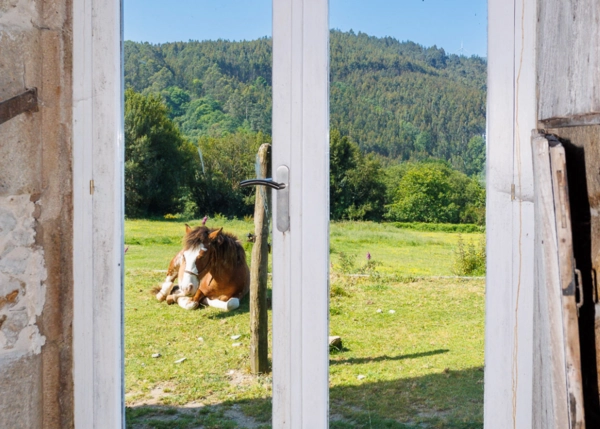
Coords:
pixel 189 282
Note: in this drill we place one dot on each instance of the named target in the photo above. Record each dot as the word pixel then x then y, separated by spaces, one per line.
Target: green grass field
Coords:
pixel 418 366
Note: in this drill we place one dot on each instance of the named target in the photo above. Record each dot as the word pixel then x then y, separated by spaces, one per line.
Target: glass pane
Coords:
pixel 197 109
pixel 408 92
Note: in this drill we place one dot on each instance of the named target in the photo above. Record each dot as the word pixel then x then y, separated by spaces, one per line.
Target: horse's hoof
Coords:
pixel 187 304
pixel 233 304
pixel 160 297
pixel 171 300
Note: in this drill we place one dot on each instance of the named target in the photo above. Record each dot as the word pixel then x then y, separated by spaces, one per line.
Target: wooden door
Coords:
pixel 557 389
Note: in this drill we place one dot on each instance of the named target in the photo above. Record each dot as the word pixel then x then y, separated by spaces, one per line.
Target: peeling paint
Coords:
pixel 22 276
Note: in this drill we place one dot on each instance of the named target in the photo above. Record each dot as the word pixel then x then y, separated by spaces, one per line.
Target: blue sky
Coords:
pixel 458 26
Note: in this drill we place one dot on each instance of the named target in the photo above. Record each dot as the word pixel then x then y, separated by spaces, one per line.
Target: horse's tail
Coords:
pixel 155 290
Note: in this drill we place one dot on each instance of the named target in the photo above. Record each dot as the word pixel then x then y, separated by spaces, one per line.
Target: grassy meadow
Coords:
pixel 412 333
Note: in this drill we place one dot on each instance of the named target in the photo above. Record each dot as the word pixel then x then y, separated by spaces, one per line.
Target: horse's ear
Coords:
pixel 215 234
pixel 187 228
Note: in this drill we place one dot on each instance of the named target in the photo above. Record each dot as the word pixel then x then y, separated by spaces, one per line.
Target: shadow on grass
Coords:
pixel 452 400
pixel 386 357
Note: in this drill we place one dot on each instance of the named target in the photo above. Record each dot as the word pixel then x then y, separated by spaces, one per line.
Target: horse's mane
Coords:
pixel 196 237
pixel 228 254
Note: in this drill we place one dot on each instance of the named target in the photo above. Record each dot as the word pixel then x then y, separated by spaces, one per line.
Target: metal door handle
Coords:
pixel 283 196
pixel 263 182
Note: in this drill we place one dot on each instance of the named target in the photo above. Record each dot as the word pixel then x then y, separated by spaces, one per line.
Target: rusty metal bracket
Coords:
pixel 24 102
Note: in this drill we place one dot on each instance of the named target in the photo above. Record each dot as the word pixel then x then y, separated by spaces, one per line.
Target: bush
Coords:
pixel 433 192
pixel 469 258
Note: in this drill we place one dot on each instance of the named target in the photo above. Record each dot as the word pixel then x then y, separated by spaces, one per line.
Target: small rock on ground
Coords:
pixel 335 341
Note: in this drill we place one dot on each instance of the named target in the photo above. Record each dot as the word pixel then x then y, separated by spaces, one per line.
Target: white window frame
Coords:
pixel 300 130
pixel 301 255
pixel 301 136
pixel 98 169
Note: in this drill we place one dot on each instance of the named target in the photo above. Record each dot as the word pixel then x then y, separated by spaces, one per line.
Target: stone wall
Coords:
pixel 36 282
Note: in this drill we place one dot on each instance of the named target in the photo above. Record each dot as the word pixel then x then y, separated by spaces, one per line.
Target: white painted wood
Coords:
pixel 301 255
pixel 98 217
pixel 83 329
pixel 525 121
pixel 509 280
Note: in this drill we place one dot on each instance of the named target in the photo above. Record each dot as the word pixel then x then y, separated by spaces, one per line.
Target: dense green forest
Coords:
pixel 396 107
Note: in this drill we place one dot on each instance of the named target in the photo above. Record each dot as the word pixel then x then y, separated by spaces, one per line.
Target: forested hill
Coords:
pixel 397 99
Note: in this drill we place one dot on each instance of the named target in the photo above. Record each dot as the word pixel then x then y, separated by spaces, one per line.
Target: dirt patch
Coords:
pixel 243 421
pixel 430 414
pixel 239 378
pixel 155 397
pixel 188 416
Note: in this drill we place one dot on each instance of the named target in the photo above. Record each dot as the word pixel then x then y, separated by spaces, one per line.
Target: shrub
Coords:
pixel 469 258
pixel 434 192
pixel 346 263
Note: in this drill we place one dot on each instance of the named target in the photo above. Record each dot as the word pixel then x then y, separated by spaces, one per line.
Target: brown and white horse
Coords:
pixel 211 268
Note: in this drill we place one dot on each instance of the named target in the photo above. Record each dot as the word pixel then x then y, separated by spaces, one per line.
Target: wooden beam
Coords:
pixel 570 121
pixel 24 102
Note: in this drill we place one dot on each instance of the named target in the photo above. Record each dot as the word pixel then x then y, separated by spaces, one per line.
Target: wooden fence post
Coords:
pixel 259 341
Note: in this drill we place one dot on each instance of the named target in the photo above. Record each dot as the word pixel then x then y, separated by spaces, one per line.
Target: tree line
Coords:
pixel 165 173
pixel 398 100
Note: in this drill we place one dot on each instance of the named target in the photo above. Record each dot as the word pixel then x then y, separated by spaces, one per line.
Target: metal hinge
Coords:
pixel 24 102
pixel 579 280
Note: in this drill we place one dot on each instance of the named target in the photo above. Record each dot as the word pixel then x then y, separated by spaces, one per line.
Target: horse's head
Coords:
pixel 208 255
pixel 195 245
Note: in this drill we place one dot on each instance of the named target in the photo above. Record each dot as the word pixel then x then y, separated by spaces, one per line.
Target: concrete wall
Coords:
pixel 36 211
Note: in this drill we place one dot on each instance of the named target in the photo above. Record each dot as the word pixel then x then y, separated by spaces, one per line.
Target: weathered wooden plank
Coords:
pixel 587 139
pixel 259 332
pixel 568 58
pixel 567 286
pixel 558 383
pixel 549 396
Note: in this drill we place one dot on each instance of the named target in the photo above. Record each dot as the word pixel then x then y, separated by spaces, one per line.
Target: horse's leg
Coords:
pixel 199 295
pixel 185 301
pixel 178 297
pixel 175 297
pixel 184 298
pixel 224 302
pixel 172 272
